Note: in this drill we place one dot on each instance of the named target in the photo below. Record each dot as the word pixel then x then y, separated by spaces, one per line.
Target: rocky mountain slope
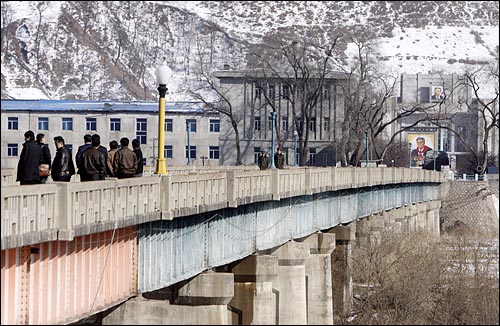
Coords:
pixel 109 50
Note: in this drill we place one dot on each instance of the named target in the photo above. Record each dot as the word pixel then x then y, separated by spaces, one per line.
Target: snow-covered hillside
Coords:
pixel 109 50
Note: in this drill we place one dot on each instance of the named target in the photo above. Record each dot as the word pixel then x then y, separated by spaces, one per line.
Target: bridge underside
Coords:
pixel 96 272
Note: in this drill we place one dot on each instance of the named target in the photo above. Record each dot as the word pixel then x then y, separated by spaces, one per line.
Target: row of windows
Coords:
pixel 114 124
pixel 284 124
pixel 13 149
pixel 213 151
pixel 285 91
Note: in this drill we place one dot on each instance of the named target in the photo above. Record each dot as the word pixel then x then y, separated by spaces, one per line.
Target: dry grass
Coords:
pixel 414 279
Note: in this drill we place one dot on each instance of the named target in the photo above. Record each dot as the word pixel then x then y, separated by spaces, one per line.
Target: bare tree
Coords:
pixel 209 85
pixel 302 68
pixel 7 15
pixel 370 107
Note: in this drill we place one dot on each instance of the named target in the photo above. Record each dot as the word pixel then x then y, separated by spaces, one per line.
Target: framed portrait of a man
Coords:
pixel 437 94
pixel 421 145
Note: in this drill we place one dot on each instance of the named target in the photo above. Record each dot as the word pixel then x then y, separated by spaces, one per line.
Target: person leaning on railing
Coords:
pixel 125 161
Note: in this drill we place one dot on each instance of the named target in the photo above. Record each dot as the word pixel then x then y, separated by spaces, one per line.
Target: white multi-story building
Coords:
pixel 113 120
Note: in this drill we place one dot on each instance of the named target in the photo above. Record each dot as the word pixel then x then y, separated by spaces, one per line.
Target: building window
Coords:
pixel 169 125
pixel 115 124
pixel 326 125
pixel 258 90
pixel 67 123
pixel 325 93
pixel 12 149
pixel 192 152
pixel 214 125
pixel 256 124
pixel 43 123
pixel 12 123
pixel 213 152
pixel 256 153
pixel 169 152
pixel 286 92
pixel 270 123
pixel 141 130
pixel 284 123
pixel 272 92
pixel 192 124
pixel 312 156
pixel 312 125
pixel 91 124
pixel 300 123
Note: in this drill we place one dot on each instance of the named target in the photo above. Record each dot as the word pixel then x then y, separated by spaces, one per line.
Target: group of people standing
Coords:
pixel 264 163
pixel 93 161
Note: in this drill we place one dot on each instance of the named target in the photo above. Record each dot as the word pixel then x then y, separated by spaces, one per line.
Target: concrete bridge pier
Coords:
pixel 421 217
pixel 319 278
pixel 202 300
pixel 433 218
pixel 341 268
pixel 291 283
pixel 253 290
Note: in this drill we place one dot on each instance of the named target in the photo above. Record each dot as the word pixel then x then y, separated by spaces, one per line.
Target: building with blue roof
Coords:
pixel 112 120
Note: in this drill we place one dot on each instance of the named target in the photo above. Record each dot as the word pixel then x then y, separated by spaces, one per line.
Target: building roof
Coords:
pixel 98 106
pixel 257 73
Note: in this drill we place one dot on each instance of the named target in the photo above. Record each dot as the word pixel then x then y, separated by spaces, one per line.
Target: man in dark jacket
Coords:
pixel 62 166
pixel 45 157
pixel 87 139
pixel 125 161
pixel 140 164
pixel 263 160
pixel 279 159
pixel 28 168
pixel 93 162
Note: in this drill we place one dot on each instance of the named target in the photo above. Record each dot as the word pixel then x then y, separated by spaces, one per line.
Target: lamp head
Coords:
pixel 163 73
pixel 295 134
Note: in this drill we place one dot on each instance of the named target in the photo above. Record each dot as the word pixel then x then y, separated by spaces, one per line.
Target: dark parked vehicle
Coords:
pixel 435 159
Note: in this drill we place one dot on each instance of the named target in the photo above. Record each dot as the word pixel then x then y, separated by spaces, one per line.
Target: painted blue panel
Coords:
pixel 231 235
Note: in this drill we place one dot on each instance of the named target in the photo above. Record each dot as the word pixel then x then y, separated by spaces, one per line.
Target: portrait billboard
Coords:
pixel 421 144
pixel 437 93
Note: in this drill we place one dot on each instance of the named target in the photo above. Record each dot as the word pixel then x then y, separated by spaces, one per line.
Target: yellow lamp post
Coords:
pixel 163 73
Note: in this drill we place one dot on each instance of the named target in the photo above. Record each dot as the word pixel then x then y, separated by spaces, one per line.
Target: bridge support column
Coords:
pixel 253 290
pixel 291 283
pixel 421 217
pixel 341 268
pixel 410 213
pixel 202 300
pixel 433 218
pixel 319 279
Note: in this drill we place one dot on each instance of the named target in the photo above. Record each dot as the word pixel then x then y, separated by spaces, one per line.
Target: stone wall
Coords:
pixel 469 203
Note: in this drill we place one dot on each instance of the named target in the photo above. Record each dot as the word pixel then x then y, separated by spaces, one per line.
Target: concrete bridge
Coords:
pixel 215 245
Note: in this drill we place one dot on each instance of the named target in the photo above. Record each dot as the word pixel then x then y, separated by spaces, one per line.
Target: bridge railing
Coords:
pixel 61 211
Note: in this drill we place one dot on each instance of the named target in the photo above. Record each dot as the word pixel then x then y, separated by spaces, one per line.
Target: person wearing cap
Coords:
pixel 263 160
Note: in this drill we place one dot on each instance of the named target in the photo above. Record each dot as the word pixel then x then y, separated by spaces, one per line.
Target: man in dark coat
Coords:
pixel 279 159
pixel 263 161
pixel 137 150
pixel 28 168
pixel 87 139
pixel 62 166
pixel 93 162
pixel 45 158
